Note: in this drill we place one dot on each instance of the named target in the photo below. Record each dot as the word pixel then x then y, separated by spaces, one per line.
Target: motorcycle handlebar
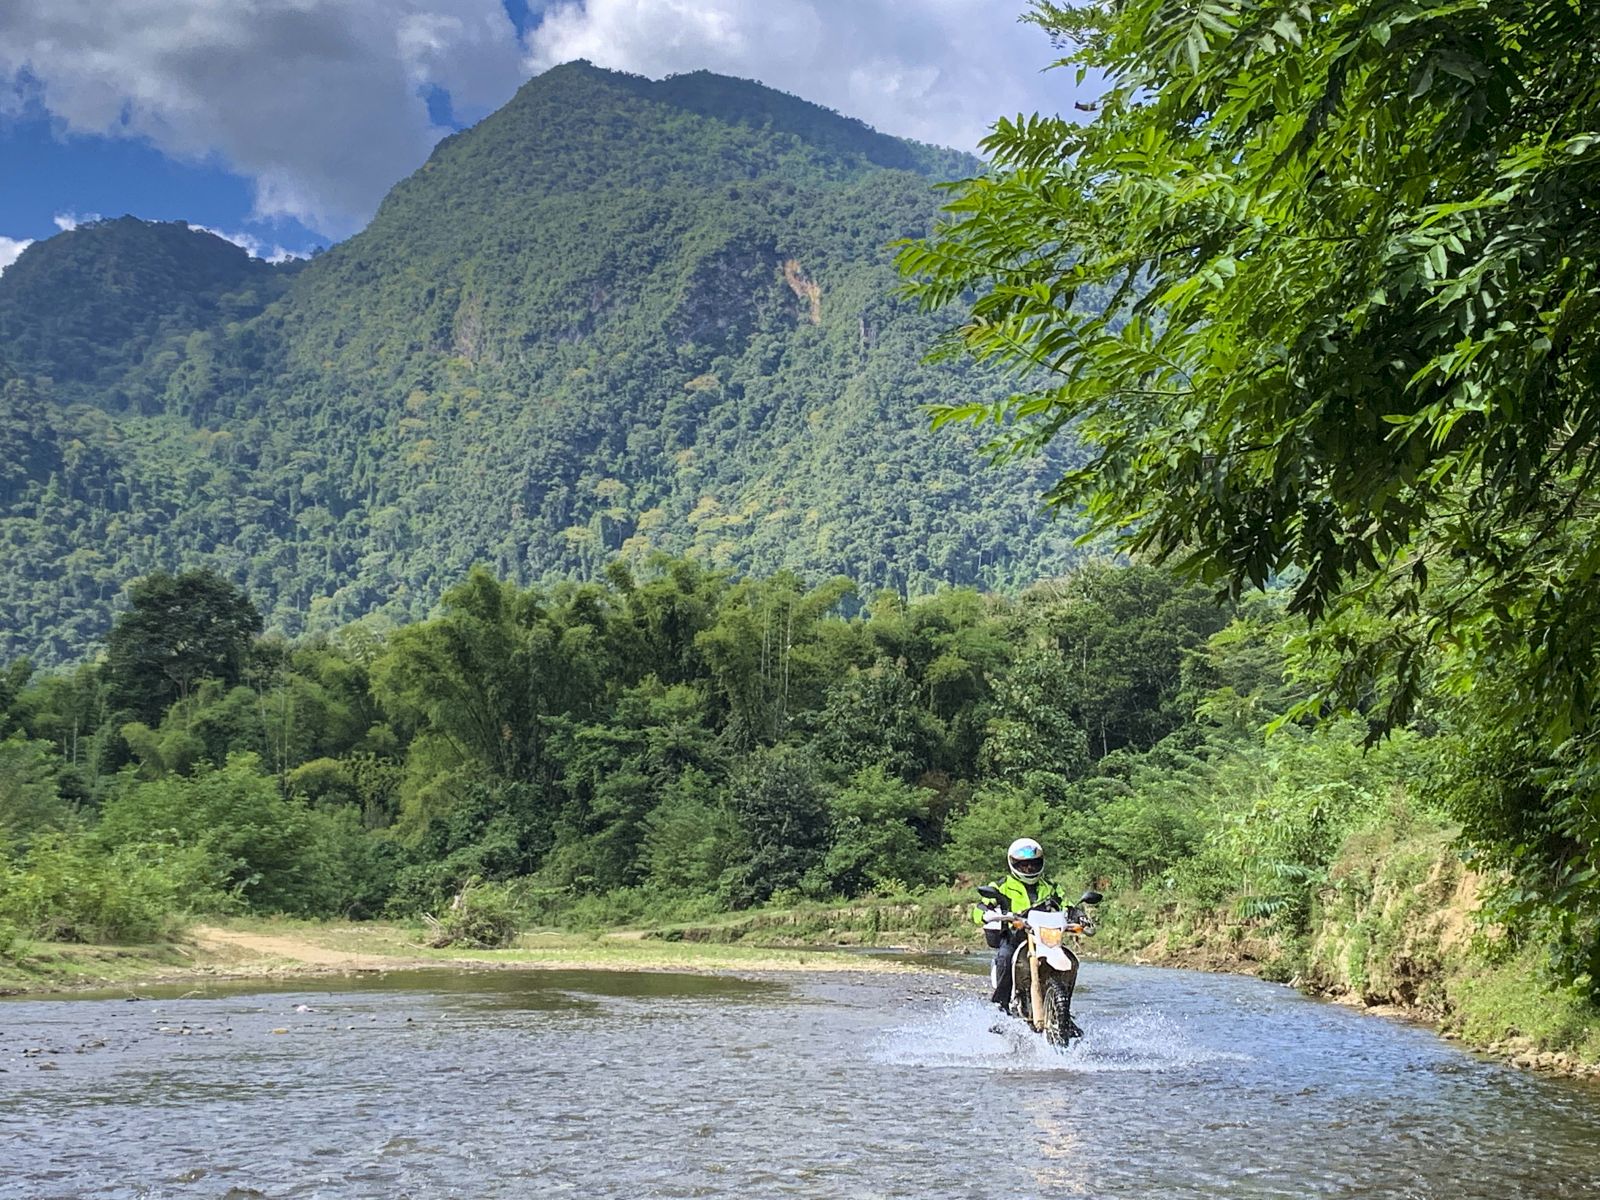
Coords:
pixel 1084 928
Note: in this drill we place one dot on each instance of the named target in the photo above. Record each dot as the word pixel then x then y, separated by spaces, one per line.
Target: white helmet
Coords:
pixel 1026 858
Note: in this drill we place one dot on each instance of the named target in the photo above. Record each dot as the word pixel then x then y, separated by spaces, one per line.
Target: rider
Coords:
pixel 1023 887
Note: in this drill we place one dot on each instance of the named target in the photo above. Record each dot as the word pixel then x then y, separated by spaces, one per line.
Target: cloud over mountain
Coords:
pixel 322 103
pixel 940 71
pixel 11 249
pixel 315 102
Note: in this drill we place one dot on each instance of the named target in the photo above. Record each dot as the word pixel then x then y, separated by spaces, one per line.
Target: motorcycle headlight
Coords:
pixel 1050 937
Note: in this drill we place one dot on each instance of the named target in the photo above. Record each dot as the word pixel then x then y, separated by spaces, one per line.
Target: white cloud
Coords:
pixel 253 246
pixel 940 71
pixel 313 100
pixel 10 249
pixel 316 101
pixel 68 221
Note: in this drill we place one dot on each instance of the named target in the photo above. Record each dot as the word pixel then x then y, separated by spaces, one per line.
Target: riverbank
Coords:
pixel 294 949
pixel 1393 930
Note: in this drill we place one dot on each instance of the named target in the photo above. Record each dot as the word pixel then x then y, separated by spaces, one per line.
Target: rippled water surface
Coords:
pixel 562 1083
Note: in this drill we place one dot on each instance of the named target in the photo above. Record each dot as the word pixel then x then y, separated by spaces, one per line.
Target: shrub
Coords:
pixel 275 852
pixel 30 791
pixel 875 842
pixel 691 837
pixel 979 836
pixel 483 916
pixel 12 944
pixel 1207 878
pixel 65 889
pixel 781 808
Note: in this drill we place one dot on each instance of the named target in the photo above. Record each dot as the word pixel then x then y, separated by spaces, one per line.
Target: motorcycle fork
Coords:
pixel 1020 985
pixel 1032 982
pixel 1035 981
pixel 1035 985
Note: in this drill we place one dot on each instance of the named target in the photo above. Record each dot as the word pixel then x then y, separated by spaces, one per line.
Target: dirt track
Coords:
pixel 287 952
pixel 292 949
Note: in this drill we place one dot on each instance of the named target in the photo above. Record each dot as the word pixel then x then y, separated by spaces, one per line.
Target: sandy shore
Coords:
pixel 272 950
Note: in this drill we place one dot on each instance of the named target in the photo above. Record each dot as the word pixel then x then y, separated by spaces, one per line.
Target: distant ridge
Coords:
pixel 616 317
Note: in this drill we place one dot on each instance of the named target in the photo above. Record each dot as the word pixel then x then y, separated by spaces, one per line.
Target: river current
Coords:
pixel 844 1086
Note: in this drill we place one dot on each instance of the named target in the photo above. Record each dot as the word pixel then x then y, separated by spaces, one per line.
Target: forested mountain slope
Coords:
pixel 617 316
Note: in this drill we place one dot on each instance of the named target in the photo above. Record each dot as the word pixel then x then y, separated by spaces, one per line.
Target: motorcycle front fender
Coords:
pixel 1062 959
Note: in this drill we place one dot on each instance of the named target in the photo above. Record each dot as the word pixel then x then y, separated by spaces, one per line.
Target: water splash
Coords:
pixel 969 1034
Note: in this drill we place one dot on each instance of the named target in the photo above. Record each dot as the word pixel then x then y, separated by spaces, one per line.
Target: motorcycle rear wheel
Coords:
pixel 1058 1026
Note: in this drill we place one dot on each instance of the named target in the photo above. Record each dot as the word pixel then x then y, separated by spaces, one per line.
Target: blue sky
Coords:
pixel 51 179
pixel 281 123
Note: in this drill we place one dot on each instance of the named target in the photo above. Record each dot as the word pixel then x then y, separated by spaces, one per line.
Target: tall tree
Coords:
pixel 1123 634
pixel 178 630
pixel 496 670
pixel 782 814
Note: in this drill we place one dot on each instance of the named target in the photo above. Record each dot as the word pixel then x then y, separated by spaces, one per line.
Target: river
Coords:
pixel 853 1085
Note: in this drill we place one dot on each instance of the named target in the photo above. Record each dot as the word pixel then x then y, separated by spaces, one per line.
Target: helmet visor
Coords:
pixel 1028 868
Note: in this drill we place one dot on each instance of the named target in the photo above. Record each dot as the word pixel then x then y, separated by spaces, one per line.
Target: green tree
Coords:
pixel 1355 337
pixel 767 654
pixel 72 711
pixel 177 631
pixel 615 772
pixel 1032 736
pixel 877 825
pixel 875 717
pixel 782 810
pixel 30 792
pixel 1133 836
pixel 491 829
pixel 1124 634
pixel 997 816
pixel 489 676
pixel 691 837
pixel 12 680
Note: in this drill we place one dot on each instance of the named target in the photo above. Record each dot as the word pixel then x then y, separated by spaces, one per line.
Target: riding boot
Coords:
pixel 1002 972
pixel 1073 1031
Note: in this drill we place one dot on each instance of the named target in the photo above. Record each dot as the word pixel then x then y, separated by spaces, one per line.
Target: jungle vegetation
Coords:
pixel 674 740
pixel 617 317
pixel 1311 296
pixel 1353 348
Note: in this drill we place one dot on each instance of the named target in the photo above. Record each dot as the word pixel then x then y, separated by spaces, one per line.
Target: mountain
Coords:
pixel 616 316
pixel 93 308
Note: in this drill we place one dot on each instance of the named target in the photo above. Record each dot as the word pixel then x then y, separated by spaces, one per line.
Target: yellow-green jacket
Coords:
pixel 1019 897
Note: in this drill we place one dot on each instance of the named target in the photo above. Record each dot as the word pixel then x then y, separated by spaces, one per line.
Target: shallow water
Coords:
pixel 523 1084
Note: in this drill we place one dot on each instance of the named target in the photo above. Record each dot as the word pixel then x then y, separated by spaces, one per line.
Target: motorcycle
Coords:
pixel 1044 969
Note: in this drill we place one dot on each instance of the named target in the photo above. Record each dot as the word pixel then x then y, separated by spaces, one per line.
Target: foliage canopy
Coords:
pixel 1356 343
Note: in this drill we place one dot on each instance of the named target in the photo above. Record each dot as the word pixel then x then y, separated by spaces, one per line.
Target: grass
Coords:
pixel 46 966
pixel 1513 1004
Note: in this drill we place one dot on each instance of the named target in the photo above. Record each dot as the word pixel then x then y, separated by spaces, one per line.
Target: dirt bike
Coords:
pixel 1044 969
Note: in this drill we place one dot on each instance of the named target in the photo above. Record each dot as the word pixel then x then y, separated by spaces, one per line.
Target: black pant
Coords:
pixel 1002 961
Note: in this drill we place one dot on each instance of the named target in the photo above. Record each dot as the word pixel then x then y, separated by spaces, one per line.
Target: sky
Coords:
pixel 280 124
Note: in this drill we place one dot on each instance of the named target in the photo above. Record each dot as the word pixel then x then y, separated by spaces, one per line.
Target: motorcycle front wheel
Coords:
pixel 1058 1027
